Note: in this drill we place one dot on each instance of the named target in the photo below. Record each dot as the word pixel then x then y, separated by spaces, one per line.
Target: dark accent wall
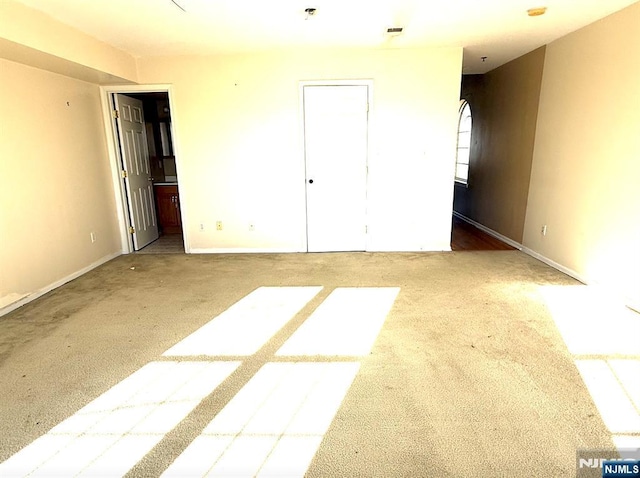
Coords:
pixel 504 108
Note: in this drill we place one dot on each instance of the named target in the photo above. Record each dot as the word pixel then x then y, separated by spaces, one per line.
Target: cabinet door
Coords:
pixel 168 209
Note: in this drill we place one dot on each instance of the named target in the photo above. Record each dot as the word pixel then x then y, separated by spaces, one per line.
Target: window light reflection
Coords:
pixel 611 395
pixel 591 323
pixel 346 323
pixel 248 324
pixel 602 335
pixel 273 426
pixel 112 433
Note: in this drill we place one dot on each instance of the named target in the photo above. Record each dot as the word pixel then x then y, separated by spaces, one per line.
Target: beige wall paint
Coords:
pixel 65 47
pixel 504 108
pixel 238 128
pixel 56 186
pixel 584 181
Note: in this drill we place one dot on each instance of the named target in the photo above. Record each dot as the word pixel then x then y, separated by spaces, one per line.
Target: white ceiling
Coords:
pixel 497 29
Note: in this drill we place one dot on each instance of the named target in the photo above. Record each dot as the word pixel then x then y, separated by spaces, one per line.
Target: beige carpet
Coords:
pixel 469 375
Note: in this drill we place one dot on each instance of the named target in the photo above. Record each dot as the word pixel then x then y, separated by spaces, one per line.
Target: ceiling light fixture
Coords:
pixel 536 12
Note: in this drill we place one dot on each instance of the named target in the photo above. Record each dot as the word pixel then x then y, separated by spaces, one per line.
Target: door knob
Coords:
pixel 310 181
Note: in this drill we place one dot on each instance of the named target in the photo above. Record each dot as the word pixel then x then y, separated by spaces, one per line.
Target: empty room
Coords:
pixel 391 238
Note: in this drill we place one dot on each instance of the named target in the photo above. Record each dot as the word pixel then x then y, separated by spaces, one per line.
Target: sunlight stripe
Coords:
pixel 613 403
pixel 346 323
pixel 247 325
pixel 285 408
pixel 112 433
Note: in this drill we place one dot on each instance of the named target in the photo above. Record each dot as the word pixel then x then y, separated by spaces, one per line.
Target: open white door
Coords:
pixel 336 129
pixel 138 179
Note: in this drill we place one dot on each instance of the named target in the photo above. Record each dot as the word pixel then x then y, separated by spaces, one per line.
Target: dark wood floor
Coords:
pixel 466 237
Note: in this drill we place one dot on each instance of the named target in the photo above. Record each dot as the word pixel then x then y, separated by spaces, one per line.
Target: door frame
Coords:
pixel 115 158
pixel 303 153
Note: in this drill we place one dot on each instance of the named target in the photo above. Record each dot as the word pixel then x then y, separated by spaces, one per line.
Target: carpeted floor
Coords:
pixel 470 375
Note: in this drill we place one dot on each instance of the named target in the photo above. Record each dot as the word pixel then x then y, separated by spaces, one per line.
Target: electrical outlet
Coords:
pixel 543 231
pixel 93 237
pixel 218 225
pixel 201 227
pixel 252 227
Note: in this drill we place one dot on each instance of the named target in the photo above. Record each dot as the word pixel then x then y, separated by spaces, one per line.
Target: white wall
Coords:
pixel 238 128
pixel 586 164
pixel 54 165
pixel 56 182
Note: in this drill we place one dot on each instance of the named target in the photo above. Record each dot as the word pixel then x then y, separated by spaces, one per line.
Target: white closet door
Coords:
pixel 336 129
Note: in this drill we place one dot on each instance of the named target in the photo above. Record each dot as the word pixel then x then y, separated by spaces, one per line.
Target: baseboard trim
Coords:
pixel 34 295
pixel 592 283
pixel 239 250
pixel 526 250
pixel 491 232
pixel 555 265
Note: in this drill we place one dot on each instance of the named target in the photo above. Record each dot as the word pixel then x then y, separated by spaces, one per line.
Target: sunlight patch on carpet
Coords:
pixel 591 323
pixel 247 325
pixel 602 336
pixel 273 426
pixel 113 432
pixel 346 323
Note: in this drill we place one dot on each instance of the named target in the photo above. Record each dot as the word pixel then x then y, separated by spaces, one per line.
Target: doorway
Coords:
pixel 147 172
pixel 164 175
pixel 336 149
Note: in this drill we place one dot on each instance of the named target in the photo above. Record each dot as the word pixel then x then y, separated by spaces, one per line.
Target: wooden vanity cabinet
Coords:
pixel 168 208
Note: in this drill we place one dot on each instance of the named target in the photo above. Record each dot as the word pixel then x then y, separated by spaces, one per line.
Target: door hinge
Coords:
pixel 116 114
pixel 366 229
pixel 123 173
pixel 131 230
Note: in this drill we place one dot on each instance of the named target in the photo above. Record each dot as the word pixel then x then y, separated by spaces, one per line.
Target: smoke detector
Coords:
pixel 536 12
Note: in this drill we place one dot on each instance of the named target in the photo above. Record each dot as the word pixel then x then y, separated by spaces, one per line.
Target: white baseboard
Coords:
pixel 221 250
pixel 526 250
pixel 491 232
pixel 240 250
pixel 34 295
pixel 555 265
pixel 440 248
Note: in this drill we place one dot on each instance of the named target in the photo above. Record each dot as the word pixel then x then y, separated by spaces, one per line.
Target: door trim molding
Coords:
pixel 368 82
pixel 106 94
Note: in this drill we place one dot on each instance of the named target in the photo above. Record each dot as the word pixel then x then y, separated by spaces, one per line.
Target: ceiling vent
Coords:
pixel 394 30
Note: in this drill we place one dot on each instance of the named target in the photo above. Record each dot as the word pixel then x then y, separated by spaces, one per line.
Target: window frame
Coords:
pixel 464 106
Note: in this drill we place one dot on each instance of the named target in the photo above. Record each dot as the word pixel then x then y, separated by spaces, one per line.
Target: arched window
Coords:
pixel 464 143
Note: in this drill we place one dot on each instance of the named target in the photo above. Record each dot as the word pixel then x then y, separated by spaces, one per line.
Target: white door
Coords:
pixel 335 130
pixel 138 180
